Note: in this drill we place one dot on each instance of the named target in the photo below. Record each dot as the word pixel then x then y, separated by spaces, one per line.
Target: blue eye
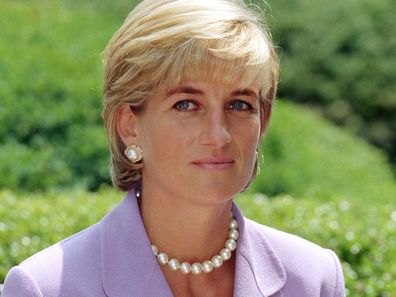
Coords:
pixel 240 105
pixel 185 105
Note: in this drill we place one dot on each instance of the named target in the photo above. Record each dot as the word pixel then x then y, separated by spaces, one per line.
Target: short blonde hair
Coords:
pixel 163 42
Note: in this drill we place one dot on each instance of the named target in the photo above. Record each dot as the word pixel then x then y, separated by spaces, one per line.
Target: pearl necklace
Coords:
pixel 208 265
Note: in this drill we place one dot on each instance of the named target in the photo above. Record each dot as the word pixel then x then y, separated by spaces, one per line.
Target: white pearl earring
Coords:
pixel 134 153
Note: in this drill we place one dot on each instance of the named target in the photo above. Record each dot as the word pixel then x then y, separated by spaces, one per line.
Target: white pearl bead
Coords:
pixel 217 261
pixel 225 254
pixel 185 267
pixel 207 266
pixel 196 268
pixel 233 234
pixel 154 249
pixel 174 264
pixel 132 154
pixel 230 244
pixel 233 224
pixel 162 258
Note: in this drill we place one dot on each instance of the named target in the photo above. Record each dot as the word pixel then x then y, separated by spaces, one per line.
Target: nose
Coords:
pixel 215 132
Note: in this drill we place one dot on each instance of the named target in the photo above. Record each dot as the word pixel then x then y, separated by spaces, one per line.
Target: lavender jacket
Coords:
pixel 113 258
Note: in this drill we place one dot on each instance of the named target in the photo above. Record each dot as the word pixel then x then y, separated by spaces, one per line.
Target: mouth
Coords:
pixel 218 163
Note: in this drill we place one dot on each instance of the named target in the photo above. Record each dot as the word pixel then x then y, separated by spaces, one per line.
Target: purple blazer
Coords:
pixel 113 258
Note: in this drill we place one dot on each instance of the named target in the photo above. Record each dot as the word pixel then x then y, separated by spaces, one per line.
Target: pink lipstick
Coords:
pixel 214 163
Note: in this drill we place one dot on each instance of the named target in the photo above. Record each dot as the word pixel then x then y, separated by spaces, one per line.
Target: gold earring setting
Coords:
pixel 134 153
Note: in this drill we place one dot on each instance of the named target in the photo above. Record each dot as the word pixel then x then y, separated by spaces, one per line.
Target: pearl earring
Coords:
pixel 134 153
pixel 257 155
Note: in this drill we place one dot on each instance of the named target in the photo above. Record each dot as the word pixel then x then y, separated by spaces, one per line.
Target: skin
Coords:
pixel 199 144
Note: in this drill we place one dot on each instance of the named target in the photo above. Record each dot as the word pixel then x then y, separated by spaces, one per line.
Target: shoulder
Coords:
pixel 307 265
pixel 57 267
pixel 287 246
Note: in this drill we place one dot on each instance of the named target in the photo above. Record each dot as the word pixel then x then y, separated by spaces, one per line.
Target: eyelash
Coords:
pixel 248 107
pixel 184 101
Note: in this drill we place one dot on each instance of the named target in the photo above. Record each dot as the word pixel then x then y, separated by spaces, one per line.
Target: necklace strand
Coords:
pixel 207 266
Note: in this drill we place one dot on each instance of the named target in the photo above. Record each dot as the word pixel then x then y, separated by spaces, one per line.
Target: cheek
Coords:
pixel 248 141
pixel 248 136
pixel 164 142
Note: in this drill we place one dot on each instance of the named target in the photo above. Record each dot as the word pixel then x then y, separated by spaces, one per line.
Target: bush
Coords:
pixel 306 157
pixel 362 235
pixel 367 247
pixel 51 99
pixel 341 57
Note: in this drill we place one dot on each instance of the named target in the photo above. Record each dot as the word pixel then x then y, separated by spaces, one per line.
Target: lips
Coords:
pixel 214 163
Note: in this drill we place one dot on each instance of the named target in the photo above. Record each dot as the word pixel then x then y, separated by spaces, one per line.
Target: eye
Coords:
pixel 240 105
pixel 185 105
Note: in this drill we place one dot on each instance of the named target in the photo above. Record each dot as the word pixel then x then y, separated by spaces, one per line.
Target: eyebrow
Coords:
pixel 185 90
pixel 194 91
pixel 245 92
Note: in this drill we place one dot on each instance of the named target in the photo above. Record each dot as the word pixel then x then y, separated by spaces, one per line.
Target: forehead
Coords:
pixel 202 87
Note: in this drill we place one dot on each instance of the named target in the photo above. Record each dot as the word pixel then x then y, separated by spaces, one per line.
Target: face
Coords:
pixel 199 140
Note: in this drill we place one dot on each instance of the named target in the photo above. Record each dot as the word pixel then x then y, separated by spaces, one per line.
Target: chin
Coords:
pixel 219 195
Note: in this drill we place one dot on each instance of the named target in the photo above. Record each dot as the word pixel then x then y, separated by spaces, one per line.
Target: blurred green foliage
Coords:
pixel 363 237
pixel 341 56
pixel 50 125
pixel 303 155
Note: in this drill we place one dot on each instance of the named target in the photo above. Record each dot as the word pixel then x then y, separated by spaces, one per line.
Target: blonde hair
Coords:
pixel 163 42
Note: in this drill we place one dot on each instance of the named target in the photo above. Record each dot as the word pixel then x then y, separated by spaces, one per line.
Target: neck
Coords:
pixel 186 230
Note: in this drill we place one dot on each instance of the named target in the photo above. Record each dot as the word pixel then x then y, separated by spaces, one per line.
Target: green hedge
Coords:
pixel 50 92
pixel 362 234
pixel 341 57
pixel 305 156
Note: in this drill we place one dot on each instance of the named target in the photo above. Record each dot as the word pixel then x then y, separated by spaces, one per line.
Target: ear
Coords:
pixel 126 125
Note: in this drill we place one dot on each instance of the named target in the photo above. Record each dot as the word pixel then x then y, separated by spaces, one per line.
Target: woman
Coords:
pixel 189 88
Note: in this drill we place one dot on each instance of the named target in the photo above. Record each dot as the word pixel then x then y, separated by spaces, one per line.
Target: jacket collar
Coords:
pixel 258 272
pixel 129 267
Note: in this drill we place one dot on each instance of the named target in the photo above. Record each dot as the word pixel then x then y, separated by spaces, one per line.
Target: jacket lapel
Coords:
pixel 258 273
pixel 129 267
